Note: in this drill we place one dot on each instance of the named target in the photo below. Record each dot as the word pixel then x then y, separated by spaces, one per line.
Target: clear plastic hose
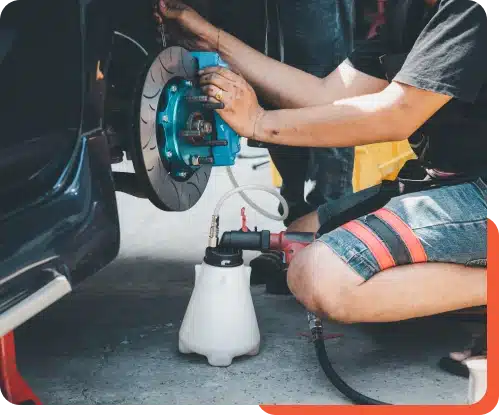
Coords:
pixel 214 227
pixel 240 189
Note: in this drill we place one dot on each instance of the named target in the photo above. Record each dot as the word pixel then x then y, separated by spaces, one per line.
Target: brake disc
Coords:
pixel 167 191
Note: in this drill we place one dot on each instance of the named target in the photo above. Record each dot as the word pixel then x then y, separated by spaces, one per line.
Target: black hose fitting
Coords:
pixel 251 241
pixel 317 332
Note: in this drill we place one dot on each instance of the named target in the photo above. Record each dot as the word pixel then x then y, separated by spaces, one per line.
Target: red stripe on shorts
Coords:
pixel 374 244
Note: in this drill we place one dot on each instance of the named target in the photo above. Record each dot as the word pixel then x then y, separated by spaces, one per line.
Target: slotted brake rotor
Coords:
pixel 166 191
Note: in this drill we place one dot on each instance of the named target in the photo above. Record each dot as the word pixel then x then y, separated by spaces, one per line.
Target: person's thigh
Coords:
pixel 446 225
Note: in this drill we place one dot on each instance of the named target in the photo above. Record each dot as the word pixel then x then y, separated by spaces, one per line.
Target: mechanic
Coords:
pixel 428 85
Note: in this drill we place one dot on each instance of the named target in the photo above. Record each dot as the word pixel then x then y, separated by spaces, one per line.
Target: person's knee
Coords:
pixel 323 283
pixel 301 276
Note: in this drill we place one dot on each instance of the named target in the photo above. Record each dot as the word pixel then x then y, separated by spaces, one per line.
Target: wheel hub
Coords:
pixel 186 128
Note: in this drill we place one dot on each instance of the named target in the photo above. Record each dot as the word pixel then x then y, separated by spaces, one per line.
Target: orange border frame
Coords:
pixel 486 405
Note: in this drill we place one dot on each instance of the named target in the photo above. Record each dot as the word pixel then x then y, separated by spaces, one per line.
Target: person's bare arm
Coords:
pixel 390 115
pixel 288 87
pixel 278 83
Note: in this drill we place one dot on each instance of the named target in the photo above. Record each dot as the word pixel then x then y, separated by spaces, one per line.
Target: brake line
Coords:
pixel 132 40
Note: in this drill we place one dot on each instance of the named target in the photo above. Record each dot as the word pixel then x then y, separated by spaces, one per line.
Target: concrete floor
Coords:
pixel 114 340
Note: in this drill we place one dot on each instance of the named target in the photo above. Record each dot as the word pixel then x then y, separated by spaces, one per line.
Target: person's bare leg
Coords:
pixel 307 223
pixel 325 284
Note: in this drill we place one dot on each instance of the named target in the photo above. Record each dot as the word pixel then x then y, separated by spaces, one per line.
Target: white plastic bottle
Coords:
pixel 477 386
pixel 220 322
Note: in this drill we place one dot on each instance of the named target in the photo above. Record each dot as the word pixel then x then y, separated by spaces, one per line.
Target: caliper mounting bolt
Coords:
pixel 197 160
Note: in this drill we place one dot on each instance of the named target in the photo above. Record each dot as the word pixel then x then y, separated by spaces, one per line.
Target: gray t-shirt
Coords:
pixel 444 52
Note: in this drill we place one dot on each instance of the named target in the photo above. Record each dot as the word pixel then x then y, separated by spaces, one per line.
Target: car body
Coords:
pixel 58 215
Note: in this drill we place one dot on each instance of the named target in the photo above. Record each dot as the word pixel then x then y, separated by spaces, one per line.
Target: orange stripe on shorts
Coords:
pixel 374 244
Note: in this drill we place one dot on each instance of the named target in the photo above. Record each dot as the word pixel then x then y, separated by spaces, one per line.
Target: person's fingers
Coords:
pixel 163 9
pixel 223 72
pixel 460 356
pixel 171 9
pixel 213 92
pixel 219 82
pixel 215 79
pixel 158 18
pixel 213 100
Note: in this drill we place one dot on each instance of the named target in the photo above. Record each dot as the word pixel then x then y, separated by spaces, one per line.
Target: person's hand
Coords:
pixel 242 111
pixel 184 26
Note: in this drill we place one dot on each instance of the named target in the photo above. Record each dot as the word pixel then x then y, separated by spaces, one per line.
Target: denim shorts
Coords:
pixel 447 224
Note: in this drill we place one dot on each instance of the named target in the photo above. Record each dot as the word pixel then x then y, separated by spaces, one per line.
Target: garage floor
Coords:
pixel 114 340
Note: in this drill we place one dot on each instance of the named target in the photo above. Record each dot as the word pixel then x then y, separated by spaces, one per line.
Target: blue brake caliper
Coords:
pixel 190 132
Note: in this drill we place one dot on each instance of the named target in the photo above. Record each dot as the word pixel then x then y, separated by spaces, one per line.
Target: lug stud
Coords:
pixel 216 143
pixel 196 98
pixel 205 160
pixel 191 133
pixel 213 105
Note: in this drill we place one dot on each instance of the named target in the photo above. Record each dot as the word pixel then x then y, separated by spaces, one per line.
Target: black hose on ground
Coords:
pixel 356 397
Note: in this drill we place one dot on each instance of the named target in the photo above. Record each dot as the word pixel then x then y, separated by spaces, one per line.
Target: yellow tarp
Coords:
pixel 373 163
